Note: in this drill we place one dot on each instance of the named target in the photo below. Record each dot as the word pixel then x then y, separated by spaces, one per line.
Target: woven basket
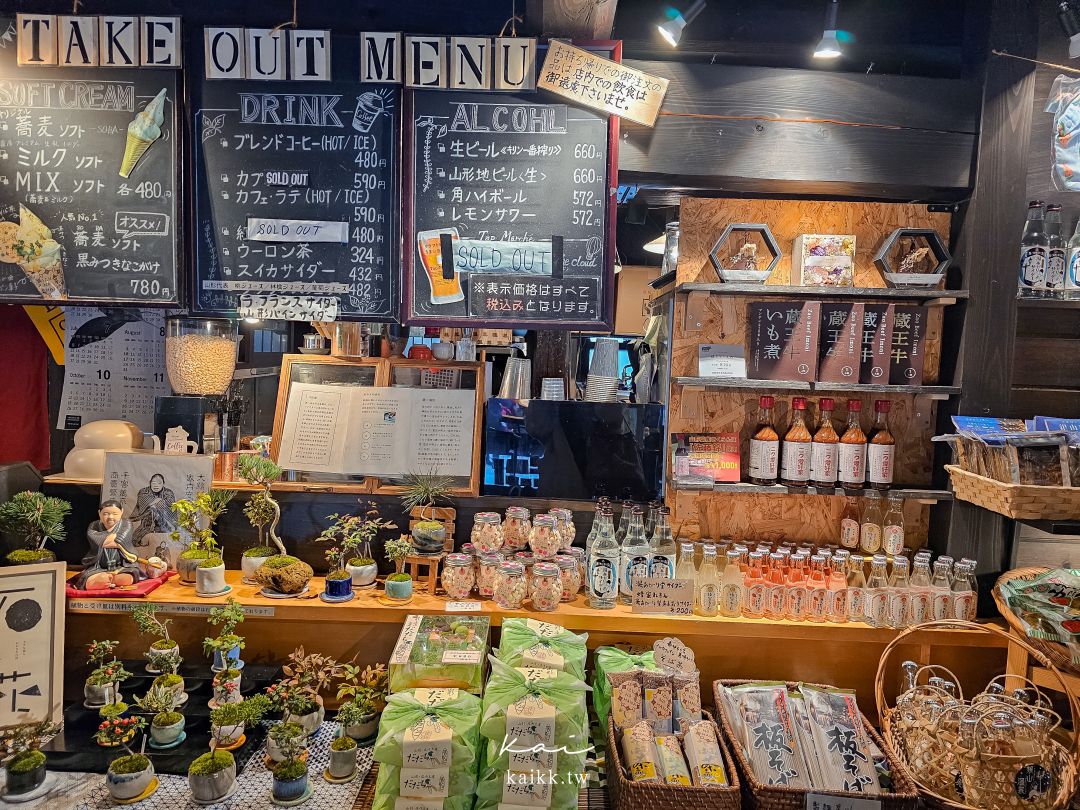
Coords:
pixel 996 774
pixel 627 795
pixel 1057 653
pixel 1017 501
pixel 756 794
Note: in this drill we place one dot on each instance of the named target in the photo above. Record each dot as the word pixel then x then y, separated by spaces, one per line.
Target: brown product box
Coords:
pixel 908 344
pixel 782 340
pixel 840 355
pixel 876 343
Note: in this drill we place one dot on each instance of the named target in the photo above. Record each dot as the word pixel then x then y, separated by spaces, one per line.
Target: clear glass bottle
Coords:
pixel 941 585
pixel 650 517
pixel 856 589
pixel 564 524
pixel 796 595
pixel 764 446
pixel 544 538
pixel 963 598
pixel 851 464
pixel 569 576
pixel 922 595
pixel 624 522
pixel 880 448
pixel 662 547
pixel 604 565
pixel 892 532
pixel 1032 279
pixel 877 592
pixel 870 526
pixel 589 538
pixel 777 582
pixel 795 455
pixel 685 568
pixel 849 524
pixel 973 606
pixel 756 587
pixel 817 590
pixel 487 533
pixel 633 555
pixel 732 586
pixel 457 576
pixel 1055 252
pixel 899 594
pixel 465 349
pixel 707 602
pixel 836 608
pixel 1072 273
pixel 824 451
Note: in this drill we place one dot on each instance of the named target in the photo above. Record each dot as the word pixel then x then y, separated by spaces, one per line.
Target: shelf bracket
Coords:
pixel 694 314
pixel 691 403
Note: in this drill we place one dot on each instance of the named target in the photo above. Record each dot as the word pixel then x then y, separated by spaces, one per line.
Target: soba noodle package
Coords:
pixel 627 699
pixel 686 688
pixel 658 700
pixel 845 749
pixel 766 731
pixel 671 762
pixel 531 643
pixel 607 660
pixel 639 754
pixel 703 755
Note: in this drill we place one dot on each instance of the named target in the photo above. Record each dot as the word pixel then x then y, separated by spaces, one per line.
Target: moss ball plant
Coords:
pixel 279 561
pixel 28 556
pixel 131 763
pixel 194 554
pixel 210 762
pixel 343 744
pixel 211 562
pixel 112 710
pixel 26 761
pixel 164 719
pixel 399 577
pixel 284 573
pixel 360 561
pixel 163 644
pixel 290 769
pixel 260 551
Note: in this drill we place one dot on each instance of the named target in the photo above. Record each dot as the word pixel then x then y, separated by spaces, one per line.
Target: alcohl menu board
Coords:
pixel 88 182
pixel 508 211
pixel 295 192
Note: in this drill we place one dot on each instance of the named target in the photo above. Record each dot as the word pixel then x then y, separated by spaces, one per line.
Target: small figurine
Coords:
pixel 111 562
pixel 746 258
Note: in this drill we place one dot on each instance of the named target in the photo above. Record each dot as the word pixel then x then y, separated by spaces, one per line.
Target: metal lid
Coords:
pixel 461 560
pixel 511 567
pixel 545 569
pixel 486 517
pixel 565 561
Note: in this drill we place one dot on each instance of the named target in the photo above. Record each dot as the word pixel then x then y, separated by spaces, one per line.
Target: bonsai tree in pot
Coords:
pixel 291 773
pixel 262 511
pixel 342 764
pixel 337 586
pixel 36 519
pixel 279 735
pixel 212 776
pixel 399 585
pixel 164 654
pixel 364 694
pixel 421 496
pixel 353 535
pixel 102 686
pixel 226 645
pixel 131 776
pixel 25 765
pixel 228 720
pixel 200 563
pixel 299 694
pixel 167 725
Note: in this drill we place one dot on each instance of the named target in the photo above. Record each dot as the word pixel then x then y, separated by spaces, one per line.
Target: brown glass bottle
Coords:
pixel 824 452
pixel 795 456
pixel 881 449
pixel 764 445
pixel 851 467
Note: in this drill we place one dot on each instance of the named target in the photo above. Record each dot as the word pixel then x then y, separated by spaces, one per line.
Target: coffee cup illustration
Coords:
pixel 368 108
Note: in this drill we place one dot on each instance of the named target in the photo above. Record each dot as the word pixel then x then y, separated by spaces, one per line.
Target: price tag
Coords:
pixel 461 657
pixel 672 655
pixel 825 801
pixel 661 595
pixel 463 607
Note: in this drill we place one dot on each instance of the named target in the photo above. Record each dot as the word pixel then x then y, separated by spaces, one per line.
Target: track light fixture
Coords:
pixel 672 28
pixel 829 46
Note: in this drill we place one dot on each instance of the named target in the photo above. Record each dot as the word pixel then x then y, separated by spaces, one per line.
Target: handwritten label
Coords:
pixel 480 256
pixel 461 657
pixel 463 607
pixel 601 84
pixel 673 656
pixel 141 223
pixel 125 606
pixel 297 230
pixel 825 801
pixel 288 307
pixel 661 595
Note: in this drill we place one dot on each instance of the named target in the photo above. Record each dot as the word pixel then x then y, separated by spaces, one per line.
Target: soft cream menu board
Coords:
pixel 387 432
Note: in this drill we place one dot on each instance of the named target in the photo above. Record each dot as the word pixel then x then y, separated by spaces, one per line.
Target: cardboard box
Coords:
pixel 876 343
pixel 908 344
pixel 783 340
pixel 840 355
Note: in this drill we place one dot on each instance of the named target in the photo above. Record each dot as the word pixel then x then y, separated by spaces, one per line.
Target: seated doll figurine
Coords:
pixel 111 562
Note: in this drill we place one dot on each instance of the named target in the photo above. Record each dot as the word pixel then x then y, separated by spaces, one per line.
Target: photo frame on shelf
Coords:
pixel 913 257
pixel 823 260
pixel 739 262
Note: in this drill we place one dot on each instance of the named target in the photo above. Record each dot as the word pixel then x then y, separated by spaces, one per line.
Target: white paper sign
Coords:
pixel 297 230
pixel 125 606
pixel 825 801
pixel 672 655
pixel 479 256
pixel 721 360
pixel 463 607
pixel 288 307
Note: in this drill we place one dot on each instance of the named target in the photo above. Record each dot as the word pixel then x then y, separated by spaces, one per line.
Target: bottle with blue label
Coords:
pixel 662 548
pixel 604 565
pixel 1055 253
pixel 634 556
pixel 1032 280
pixel 1072 267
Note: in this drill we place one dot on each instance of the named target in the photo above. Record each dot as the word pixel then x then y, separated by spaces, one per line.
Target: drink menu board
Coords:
pixel 507 211
pixel 88 182
pixel 295 192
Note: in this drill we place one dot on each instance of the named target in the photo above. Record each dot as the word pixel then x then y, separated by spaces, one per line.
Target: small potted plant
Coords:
pixel 364 694
pixel 261 510
pixel 283 575
pixel 353 535
pixel 117 731
pixel 103 684
pixel 228 721
pixel 226 687
pixel 337 587
pixel 164 653
pixel 277 739
pixel 114 710
pixel 212 776
pixel 290 775
pixel 342 764
pixel 421 496
pixel 171 680
pixel 167 725
pixel 36 520
pixel 299 694
pixel 226 645
pixel 26 766
pixel 399 584
pixel 131 777
pixel 196 519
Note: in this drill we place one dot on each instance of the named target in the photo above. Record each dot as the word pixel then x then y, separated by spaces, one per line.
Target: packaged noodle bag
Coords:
pixel 627 698
pixel 844 747
pixel 766 731
pixel 639 754
pixel 703 754
pixel 531 643
pixel 671 762
pixel 614 659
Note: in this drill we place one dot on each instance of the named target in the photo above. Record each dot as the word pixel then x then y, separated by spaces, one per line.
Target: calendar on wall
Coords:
pixel 114 365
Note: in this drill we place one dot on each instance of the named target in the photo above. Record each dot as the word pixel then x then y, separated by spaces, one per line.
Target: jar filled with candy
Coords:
pixel 457 576
pixel 579 555
pixel 487 566
pixel 510 588
pixel 487 533
pixel 569 577
pixel 544 539
pixel 526 559
pixel 546 588
pixel 516 528
pixel 564 521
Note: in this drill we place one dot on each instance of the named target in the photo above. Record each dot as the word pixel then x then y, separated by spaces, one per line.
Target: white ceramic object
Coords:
pixel 249 565
pixel 227 735
pixel 365 729
pixel 273 750
pixel 442 350
pixel 166 735
pixel 212 787
pixel 309 722
pixel 210 581
pixel 363 576
pixel 342 764
pixel 126 786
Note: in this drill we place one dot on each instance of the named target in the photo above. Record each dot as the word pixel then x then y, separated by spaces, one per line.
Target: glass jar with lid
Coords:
pixel 516 527
pixel 564 522
pixel 457 576
pixel 569 577
pixel 510 587
pixel 579 555
pixel 527 559
pixel 487 566
pixel 200 354
pixel 487 533
pixel 544 539
pixel 546 587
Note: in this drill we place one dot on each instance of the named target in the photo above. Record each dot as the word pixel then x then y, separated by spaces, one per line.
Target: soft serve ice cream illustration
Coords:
pixel 30 245
pixel 144 129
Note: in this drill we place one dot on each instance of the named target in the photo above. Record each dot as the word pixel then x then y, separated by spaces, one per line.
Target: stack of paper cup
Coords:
pixel 517 379
pixel 602 384
pixel 552 388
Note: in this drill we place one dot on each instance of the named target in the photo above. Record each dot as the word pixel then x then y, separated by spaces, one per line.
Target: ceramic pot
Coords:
pixel 25 782
pixel 309 722
pixel 98 695
pixel 342 764
pixel 337 588
pixel 365 729
pixel 166 735
pixel 186 570
pixel 222 694
pixel 443 350
pixel 160 660
pixel 219 660
pixel 286 790
pixel 211 787
pixel 249 565
pixel 209 581
pixel 227 735
pixel 363 575
pixel 273 750
pixel 399 590
pixel 429 540
pixel 124 786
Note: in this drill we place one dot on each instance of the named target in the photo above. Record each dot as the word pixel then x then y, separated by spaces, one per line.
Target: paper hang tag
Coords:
pixel 435 697
pixel 672 655
pixel 544 629
pixel 423 783
pixel 534 674
pixel 426 744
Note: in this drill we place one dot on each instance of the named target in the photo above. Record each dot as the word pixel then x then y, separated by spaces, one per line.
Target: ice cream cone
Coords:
pixel 46 273
pixel 132 152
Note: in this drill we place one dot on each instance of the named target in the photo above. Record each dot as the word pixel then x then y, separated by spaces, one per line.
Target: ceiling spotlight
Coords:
pixel 829 46
pixel 656 245
pixel 671 30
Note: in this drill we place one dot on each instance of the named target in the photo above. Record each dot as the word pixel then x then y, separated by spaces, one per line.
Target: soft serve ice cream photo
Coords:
pixel 30 245
pixel 144 129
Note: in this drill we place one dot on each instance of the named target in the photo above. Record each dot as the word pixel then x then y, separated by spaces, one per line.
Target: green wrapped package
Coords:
pixel 413 734
pixel 508 687
pixel 613 659
pixel 531 643
pixel 440 652
pixel 559 793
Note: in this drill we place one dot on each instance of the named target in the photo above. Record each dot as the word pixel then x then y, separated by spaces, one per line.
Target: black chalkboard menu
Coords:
pixel 296 191
pixel 508 212
pixel 88 182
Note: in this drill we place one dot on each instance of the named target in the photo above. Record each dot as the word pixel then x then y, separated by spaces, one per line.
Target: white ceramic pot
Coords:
pixel 159 660
pixel 442 350
pixel 186 570
pixel 98 695
pixel 365 729
pixel 363 575
pixel 125 786
pixel 309 722
pixel 273 750
pixel 227 735
pixel 166 735
pixel 210 580
pixel 248 565
pixel 222 694
pixel 208 788
pixel 342 764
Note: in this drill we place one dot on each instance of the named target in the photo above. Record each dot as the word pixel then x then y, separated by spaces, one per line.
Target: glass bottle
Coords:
pixel 963 599
pixel 510 586
pixel 851 464
pixel 836 607
pixel 870 526
pixel 756 587
pixel 732 587
pixel 817 590
pixel 973 607
pixel 1072 273
pixel 942 589
pixel 545 590
pixel 796 595
pixel 764 446
pixel 743 553
pixel 856 589
pixel 465 349
pixel 624 522
pixel 544 538
pixel 892 533
pixel 589 538
pixel 899 594
pixel 777 582
pixel 1033 253
pixel 604 565
pixel 880 448
pixel 650 517
pixel 516 527
pixel 457 576
pixel 877 592
pixel 1055 252
pixel 922 599
pixel 849 524
pixel 795 456
pixel 662 547
pixel 708 584
pixel 685 568
pixel 633 555
pixel 824 451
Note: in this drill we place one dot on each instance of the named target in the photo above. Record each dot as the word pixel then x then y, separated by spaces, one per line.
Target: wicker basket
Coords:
pixel 1057 653
pixel 996 773
pixel 1017 501
pixel 756 794
pixel 627 795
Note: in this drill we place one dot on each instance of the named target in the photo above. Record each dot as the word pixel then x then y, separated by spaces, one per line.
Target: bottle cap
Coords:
pixel 882 406
pixel 798 403
pixel 826 404
pixel 854 404
pixel 1035 204
pixel 766 402
pixel 1053 207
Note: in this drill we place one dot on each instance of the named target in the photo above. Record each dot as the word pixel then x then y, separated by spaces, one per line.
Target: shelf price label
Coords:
pixel 656 595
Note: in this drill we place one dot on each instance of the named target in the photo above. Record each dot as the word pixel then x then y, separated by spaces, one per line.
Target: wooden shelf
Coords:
pixel 927 295
pixel 325 487
pixel 930 391
pixel 1048 303
pixel 740 488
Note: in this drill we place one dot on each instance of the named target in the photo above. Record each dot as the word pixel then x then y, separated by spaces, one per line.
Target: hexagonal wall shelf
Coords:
pixel 745 265
pixel 925 248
